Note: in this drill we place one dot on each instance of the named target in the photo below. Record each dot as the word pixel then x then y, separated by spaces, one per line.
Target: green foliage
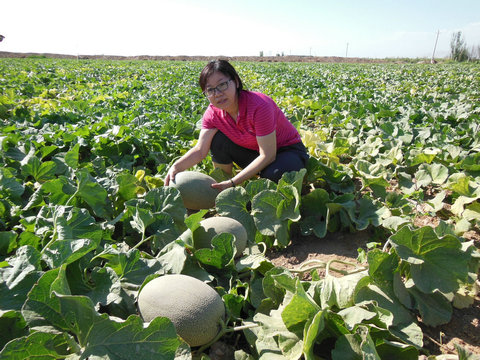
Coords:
pixel 85 220
pixel 458 47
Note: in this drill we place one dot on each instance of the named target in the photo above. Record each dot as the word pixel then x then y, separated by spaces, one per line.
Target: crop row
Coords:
pixel 86 220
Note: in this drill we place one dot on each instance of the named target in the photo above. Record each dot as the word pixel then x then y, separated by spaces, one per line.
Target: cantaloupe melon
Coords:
pixel 216 225
pixel 193 307
pixel 195 189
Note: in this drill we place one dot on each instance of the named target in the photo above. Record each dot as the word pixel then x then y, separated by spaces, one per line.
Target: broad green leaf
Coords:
pixel 72 156
pixel 75 223
pixel 121 259
pixel 461 184
pixel 127 186
pixel 289 208
pixel 41 172
pixel 458 207
pixel 59 190
pixel 437 202
pixel 193 221
pixel 40 345
pixel 255 261
pixel 355 315
pixel 394 222
pixel 294 178
pixel 105 286
pixel 472 212
pixel 264 211
pixel 41 308
pixel 7 242
pixel 396 350
pixel 98 335
pixel 471 162
pixel 403 325
pixel 382 266
pixel 77 234
pixel 435 263
pixel 355 346
pixel 90 191
pixel 18 276
pixel 142 218
pixel 256 186
pixel 313 328
pixel 234 203
pixel 222 253
pixel 420 156
pixel 339 291
pixel 10 186
pixel 13 326
pixel 406 183
pixel 435 309
pixel 315 213
pixel 368 213
pixel 168 200
pixel 275 283
pixel 300 309
pixel 274 341
pixel 431 174
pixel 172 257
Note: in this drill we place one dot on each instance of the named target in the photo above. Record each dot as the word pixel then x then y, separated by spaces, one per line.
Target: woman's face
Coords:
pixel 226 99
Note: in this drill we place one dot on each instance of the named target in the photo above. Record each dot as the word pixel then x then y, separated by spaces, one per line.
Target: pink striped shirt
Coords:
pixel 258 115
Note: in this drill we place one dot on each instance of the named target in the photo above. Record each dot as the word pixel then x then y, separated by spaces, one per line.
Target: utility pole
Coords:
pixel 432 61
pixel 346 51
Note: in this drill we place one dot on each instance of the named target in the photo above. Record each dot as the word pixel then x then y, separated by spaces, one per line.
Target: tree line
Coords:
pixel 459 50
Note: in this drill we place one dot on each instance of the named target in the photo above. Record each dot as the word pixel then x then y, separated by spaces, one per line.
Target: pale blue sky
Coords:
pixel 374 29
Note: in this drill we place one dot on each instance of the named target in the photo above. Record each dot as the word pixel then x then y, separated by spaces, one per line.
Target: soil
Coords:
pixel 278 58
pixel 464 327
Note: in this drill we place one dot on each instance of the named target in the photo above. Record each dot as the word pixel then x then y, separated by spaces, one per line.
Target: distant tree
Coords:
pixel 1 38
pixel 458 47
pixel 475 52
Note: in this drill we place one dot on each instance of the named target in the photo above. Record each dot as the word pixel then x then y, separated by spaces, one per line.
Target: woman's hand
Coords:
pixel 192 156
pixel 170 175
pixel 223 185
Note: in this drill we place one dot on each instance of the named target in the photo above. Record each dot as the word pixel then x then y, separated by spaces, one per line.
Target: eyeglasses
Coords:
pixel 210 92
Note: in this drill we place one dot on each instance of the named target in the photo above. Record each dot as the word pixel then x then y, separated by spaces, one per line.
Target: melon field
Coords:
pixel 86 223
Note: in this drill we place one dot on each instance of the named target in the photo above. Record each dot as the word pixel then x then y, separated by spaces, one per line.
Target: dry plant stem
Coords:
pixel 327 266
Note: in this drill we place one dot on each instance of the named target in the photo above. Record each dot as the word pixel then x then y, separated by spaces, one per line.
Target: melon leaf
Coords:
pixel 101 337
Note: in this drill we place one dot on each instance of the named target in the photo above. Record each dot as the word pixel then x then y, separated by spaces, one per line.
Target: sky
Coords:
pixel 353 28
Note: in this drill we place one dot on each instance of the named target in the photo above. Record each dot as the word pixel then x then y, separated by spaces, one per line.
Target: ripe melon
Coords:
pixel 195 189
pixel 193 307
pixel 216 225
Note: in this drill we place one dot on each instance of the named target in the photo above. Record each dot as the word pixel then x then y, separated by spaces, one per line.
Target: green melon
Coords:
pixel 195 189
pixel 216 225
pixel 193 307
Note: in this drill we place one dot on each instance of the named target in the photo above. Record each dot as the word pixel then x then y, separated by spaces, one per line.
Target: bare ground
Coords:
pixel 288 58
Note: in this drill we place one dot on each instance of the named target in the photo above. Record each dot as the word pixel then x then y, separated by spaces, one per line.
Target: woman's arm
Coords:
pixel 268 151
pixel 192 156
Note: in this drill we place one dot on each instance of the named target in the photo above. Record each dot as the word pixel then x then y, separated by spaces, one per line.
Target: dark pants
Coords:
pixel 289 158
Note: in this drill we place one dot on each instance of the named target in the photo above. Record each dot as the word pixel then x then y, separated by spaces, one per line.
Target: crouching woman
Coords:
pixel 242 127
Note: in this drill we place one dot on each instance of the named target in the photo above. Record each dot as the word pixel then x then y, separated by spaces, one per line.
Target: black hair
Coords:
pixel 222 66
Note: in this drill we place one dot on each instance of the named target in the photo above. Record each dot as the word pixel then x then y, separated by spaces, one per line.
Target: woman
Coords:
pixel 242 127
